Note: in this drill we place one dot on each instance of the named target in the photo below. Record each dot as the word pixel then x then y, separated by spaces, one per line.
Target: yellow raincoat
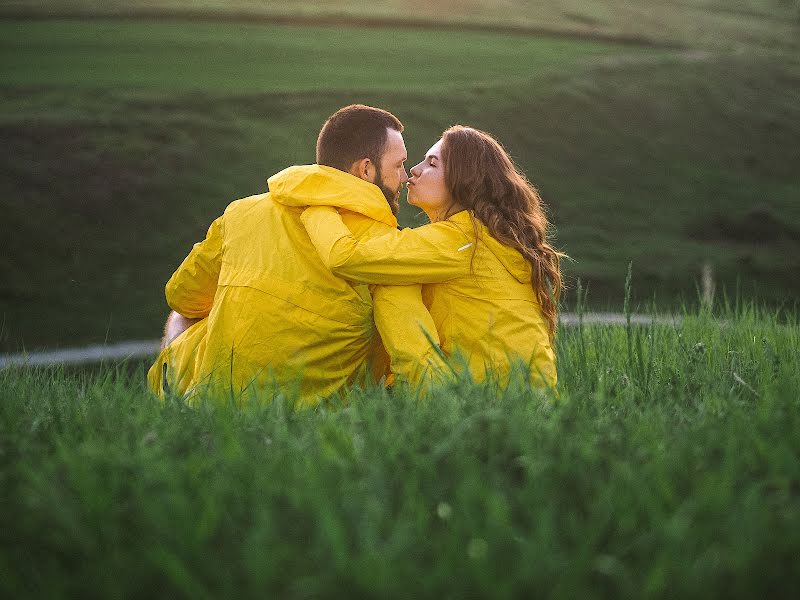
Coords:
pixel 478 292
pixel 275 313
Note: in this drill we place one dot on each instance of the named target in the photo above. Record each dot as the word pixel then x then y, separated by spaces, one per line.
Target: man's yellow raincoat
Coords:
pixel 478 292
pixel 275 313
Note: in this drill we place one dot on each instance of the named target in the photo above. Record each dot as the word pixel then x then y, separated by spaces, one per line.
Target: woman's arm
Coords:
pixel 429 254
pixel 408 333
pixel 190 291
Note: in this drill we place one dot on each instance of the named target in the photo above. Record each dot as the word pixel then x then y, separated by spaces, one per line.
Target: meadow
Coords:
pixel 728 23
pixel 665 465
pixel 124 137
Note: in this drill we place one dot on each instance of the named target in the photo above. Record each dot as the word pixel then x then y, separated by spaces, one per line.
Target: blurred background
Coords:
pixel 665 133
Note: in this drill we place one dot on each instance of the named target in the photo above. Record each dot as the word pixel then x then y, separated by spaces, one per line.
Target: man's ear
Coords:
pixel 364 169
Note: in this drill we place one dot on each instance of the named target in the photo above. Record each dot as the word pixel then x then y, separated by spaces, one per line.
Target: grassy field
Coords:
pixel 244 59
pixel 712 23
pixel 123 139
pixel 666 467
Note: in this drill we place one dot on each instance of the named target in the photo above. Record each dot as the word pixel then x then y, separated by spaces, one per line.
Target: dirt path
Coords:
pixel 85 355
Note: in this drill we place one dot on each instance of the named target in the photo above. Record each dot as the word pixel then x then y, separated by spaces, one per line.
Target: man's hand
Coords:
pixel 176 325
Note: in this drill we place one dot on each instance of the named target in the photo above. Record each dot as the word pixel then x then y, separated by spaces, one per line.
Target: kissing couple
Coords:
pixel 312 287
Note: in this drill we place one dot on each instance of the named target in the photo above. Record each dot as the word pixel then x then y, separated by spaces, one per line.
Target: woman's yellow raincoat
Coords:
pixel 478 292
pixel 275 313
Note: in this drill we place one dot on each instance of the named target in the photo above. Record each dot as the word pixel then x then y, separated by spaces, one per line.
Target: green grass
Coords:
pixel 251 59
pixel 666 467
pixel 708 23
pixel 122 140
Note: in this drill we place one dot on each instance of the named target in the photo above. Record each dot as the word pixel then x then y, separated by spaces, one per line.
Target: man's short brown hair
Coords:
pixel 353 133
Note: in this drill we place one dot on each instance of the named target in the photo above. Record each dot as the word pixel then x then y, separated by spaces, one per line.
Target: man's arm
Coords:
pixel 190 291
pixel 429 254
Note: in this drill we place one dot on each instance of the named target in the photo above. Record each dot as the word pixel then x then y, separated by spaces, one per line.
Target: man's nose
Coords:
pixel 404 178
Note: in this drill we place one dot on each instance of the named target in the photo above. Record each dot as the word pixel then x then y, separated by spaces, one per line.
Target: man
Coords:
pixel 260 307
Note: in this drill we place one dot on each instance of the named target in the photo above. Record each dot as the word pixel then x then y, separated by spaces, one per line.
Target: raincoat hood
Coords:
pixel 319 185
pixel 510 258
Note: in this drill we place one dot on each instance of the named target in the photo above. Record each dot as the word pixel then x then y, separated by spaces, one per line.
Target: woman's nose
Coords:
pixel 414 171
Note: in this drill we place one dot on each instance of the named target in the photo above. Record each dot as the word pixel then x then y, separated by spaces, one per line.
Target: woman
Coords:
pixel 492 280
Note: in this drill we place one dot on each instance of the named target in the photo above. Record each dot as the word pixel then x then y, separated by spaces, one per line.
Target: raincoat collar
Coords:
pixel 319 185
pixel 510 258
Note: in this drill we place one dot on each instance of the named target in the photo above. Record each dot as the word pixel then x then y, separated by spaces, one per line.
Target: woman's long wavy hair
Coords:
pixel 481 177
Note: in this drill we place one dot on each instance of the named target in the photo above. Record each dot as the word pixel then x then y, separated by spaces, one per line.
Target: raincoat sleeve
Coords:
pixel 430 254
pixel 190 291
pixel 411 341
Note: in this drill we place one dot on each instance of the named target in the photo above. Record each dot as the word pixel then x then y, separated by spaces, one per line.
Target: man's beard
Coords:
pixel 392 196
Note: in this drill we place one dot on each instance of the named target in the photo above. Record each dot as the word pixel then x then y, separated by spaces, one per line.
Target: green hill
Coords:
pixel 717 23
pixel 123 139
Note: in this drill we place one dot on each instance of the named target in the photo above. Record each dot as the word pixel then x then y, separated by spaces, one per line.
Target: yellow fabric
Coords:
pixel 174 369
pixel 410 332
pixel 275 313
pixel 478 292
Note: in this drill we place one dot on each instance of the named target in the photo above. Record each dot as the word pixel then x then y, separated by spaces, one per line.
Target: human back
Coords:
pixel 279 316
pixel 272 316
pixel 489 318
